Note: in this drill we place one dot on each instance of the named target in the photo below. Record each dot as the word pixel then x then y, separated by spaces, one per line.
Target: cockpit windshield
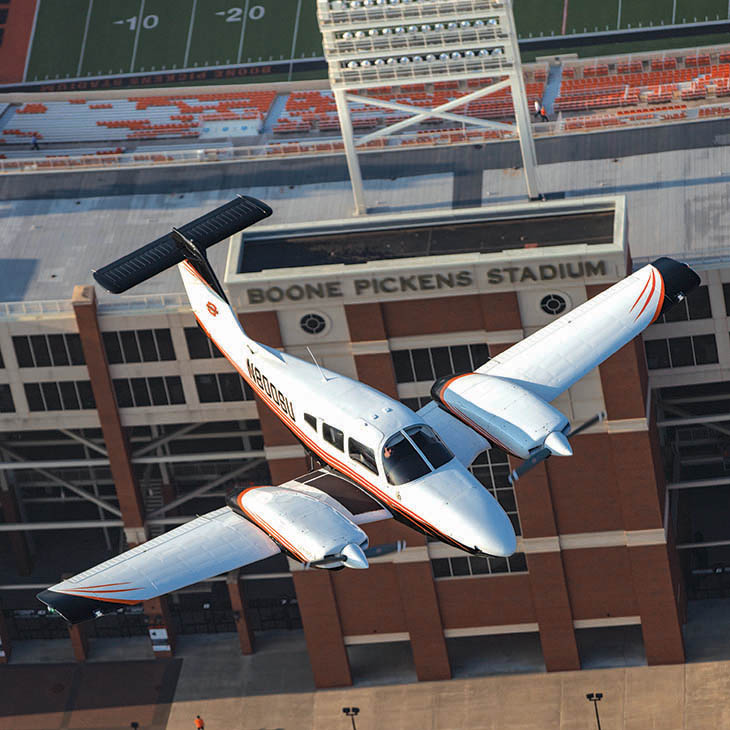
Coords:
pixel 402 463
pixel 430 444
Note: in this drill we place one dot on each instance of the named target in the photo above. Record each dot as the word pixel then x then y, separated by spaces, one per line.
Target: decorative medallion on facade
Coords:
pixel 553 304
pixel 312 323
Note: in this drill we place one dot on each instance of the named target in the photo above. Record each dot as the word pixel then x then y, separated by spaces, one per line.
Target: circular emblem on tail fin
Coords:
pixel 212 308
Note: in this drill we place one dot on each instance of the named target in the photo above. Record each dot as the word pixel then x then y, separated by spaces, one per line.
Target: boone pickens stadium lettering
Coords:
pixel 308 291
pixel 270 389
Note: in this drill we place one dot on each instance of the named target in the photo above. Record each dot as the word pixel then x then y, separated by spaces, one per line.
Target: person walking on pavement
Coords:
pixel 543 115
pixel 199 724
pixel 34 142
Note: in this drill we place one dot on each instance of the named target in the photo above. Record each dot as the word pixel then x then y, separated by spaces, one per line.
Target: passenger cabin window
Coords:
pixel 402 463
pixel 432 447
pixel 362 454
pixel 333 436
pixel 311 420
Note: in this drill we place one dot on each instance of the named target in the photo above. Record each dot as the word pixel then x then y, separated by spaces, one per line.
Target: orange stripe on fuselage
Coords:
pixel 648 279
pixel 648 299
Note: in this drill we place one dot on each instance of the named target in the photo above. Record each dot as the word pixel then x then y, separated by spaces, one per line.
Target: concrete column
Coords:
pixel 125 482
pixel 160 627
pixel 423 618
pixel 79 641
pixel 371 352
pixel 547 574
pixel 5 643
pixel 322 628
pixel 235 591
pixel 18 541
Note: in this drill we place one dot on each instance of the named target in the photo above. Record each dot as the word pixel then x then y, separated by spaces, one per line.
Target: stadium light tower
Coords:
pixel 370 44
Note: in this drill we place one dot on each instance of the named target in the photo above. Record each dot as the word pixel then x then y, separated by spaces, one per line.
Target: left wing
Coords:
pixel 206 546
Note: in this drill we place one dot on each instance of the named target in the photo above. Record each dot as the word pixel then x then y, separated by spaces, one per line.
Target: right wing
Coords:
pixel 211 544
pixel 552 359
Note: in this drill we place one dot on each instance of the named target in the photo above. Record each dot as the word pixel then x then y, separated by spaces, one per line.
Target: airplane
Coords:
pixel 379 459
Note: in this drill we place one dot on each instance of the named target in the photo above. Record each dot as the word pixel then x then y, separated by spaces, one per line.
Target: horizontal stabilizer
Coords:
pixel 204 232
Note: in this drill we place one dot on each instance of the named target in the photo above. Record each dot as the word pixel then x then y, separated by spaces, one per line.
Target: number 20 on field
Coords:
pixel 234 15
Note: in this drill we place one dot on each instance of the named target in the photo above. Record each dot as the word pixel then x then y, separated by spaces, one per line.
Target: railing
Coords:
pixel 14 310
pixel 311 147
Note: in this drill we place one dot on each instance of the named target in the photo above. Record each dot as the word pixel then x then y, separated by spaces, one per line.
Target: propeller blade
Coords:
pixel 392 547
pixel 527 464
pixel 596 419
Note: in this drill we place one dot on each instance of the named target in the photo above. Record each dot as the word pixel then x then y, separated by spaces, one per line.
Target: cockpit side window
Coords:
pixel 430 444
pixel 333 436
pixel 402 463
pixel 311 420
pixel 362 454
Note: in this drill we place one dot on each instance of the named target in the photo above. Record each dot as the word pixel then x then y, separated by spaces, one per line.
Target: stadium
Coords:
pixel 120 420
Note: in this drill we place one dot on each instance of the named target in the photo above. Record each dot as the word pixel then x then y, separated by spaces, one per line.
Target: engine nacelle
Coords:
pixel 504 412
pixel 309 526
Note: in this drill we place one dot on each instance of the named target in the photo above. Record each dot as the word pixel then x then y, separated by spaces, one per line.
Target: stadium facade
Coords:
pixel 119 419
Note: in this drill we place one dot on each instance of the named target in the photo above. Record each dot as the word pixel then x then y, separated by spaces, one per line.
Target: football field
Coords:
pixel 87 38
pixel 81 39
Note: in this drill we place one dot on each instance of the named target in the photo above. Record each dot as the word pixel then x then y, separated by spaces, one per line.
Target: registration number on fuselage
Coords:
pixel 272 392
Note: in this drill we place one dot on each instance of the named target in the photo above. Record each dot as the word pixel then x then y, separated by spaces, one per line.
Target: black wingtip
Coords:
pixel 679 280
pixel 76 609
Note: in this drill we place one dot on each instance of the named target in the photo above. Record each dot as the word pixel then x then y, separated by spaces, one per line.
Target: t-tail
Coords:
pixel 186 247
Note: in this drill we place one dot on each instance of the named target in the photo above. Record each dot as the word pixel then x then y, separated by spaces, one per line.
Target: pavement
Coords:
pixel 499 682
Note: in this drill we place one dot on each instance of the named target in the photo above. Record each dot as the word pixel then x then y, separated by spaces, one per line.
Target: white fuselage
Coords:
pixel 338 418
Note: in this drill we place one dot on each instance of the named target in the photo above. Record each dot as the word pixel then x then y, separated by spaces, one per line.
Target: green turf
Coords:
pixel 270 37
pixel 586 16
pixel 216 38
pixel 646 13
pixel 701 9
pixel 111 36
pixel 59 33
pixel 309 40
pixel 534 18
pixel 161 46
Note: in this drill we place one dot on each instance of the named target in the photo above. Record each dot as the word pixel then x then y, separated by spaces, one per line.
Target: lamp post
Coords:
pixel 595 698
pixel 351 712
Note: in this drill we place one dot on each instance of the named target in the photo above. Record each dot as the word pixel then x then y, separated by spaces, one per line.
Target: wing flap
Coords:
pixel 206 546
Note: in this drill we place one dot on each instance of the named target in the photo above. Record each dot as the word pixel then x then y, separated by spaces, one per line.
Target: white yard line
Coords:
pixel 243 32
pixel 190 34
pixel 32 38
pixel 294 38
pixel 86 33
pixel 136 36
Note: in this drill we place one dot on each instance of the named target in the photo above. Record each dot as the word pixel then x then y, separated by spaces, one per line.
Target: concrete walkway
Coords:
pixel 682 697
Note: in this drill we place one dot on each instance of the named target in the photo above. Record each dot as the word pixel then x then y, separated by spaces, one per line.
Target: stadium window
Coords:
pixel 199 345
pixel 428 363
pixel 471 565
pixel 696 305
pixel 680 352
pixel 45 350
pixel 3 16
pixel 6 399
pixel 491 468
pixel 2 362
pixel 68 395
pixel 131 346
pixel 222 387
pixel 141 392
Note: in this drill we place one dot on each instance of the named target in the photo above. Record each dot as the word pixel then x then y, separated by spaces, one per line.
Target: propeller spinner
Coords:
pixel 555 443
